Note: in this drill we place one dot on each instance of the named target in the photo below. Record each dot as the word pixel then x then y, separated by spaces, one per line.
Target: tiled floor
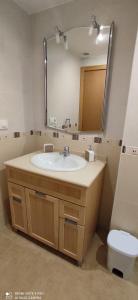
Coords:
pixel 26 266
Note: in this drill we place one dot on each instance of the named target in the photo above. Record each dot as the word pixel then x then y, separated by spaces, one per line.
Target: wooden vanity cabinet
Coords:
pixel 59 214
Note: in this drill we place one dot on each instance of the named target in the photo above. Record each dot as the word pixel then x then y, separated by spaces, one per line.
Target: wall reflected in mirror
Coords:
pixel 76 76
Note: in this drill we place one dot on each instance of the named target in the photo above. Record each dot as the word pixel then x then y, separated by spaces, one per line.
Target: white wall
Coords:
pixel 125 209
pixel 77 13
pixel 131 121
pixel 63 84
pixel 16 103
pixel 94 60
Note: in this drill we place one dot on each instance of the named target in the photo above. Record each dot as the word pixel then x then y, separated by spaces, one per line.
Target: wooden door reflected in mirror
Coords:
pixel 92 86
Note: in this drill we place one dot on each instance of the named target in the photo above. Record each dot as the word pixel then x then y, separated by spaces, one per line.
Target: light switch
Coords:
pixel 52 121
pixel 3 124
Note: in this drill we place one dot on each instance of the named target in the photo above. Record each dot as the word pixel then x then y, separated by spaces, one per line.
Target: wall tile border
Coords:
pixel 89 139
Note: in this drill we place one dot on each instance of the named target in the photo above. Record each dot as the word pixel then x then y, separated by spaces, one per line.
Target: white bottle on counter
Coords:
pixel 89 154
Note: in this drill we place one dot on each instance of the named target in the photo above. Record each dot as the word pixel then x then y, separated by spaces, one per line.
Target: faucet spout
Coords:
pixel 66 151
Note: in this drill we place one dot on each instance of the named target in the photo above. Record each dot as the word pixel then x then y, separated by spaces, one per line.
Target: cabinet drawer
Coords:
pixel 71 237
pixel 18 207
pixel 47 185
pixel 72 211
pixel 16 190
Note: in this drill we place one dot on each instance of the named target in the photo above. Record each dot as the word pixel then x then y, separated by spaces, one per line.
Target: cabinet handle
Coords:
pixel 40 194
pixel 68 221
pixel 17 199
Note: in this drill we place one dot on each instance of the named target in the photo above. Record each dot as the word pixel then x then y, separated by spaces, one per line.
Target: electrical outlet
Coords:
pixel 132 150
pixel 135 151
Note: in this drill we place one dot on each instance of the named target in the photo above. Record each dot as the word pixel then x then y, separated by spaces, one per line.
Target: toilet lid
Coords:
pixel 123 242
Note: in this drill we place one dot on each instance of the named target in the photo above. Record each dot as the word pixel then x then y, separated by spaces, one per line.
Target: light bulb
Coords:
pixel 90 30
pixel 99 38
pixel 57 37
pixel 101 27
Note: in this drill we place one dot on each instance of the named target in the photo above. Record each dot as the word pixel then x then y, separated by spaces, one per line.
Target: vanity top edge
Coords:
pixel 83 177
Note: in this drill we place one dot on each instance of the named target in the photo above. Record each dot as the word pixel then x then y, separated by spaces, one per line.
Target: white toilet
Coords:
pixel 122 252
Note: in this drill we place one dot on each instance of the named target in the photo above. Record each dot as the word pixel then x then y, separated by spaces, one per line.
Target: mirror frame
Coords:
pixel 106 89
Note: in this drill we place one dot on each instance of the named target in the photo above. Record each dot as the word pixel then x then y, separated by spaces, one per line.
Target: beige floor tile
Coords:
pixel 27 266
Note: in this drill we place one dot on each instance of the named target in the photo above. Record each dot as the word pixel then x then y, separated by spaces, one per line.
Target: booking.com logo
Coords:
pixel 8 296
pixel 17 295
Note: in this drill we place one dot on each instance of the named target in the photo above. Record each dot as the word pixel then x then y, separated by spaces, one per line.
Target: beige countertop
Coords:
pixel 83 177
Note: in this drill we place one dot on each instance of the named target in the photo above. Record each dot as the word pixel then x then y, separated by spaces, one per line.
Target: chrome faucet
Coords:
pixel 66 151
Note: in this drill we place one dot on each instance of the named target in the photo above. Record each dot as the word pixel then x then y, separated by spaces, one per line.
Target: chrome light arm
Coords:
pixel 45 79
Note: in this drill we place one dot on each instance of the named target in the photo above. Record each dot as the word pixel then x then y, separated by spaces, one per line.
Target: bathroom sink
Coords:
pixel 55 161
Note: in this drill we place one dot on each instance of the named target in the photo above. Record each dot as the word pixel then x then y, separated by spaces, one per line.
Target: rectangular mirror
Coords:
pixel 77 79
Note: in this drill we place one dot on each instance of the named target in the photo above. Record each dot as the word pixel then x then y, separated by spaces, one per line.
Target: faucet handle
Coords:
pixel 66 148
pixel 66 151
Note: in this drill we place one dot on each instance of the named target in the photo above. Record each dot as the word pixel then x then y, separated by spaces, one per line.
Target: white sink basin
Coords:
pixel 57 162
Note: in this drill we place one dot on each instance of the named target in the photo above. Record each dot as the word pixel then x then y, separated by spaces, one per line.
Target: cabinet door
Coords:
pixel 18 206
pixel 42 213
pixel 71 237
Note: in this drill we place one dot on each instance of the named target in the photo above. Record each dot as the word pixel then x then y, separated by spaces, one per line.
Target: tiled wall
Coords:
pixel 11 147
pixel 125 210
pixel 16 101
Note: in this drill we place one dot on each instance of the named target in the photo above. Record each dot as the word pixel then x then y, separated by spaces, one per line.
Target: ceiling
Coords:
pixel 80 42
pixel 35 6
pixel 82 45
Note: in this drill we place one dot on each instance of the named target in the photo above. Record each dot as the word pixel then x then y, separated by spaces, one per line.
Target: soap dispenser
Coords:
pixel 89 154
